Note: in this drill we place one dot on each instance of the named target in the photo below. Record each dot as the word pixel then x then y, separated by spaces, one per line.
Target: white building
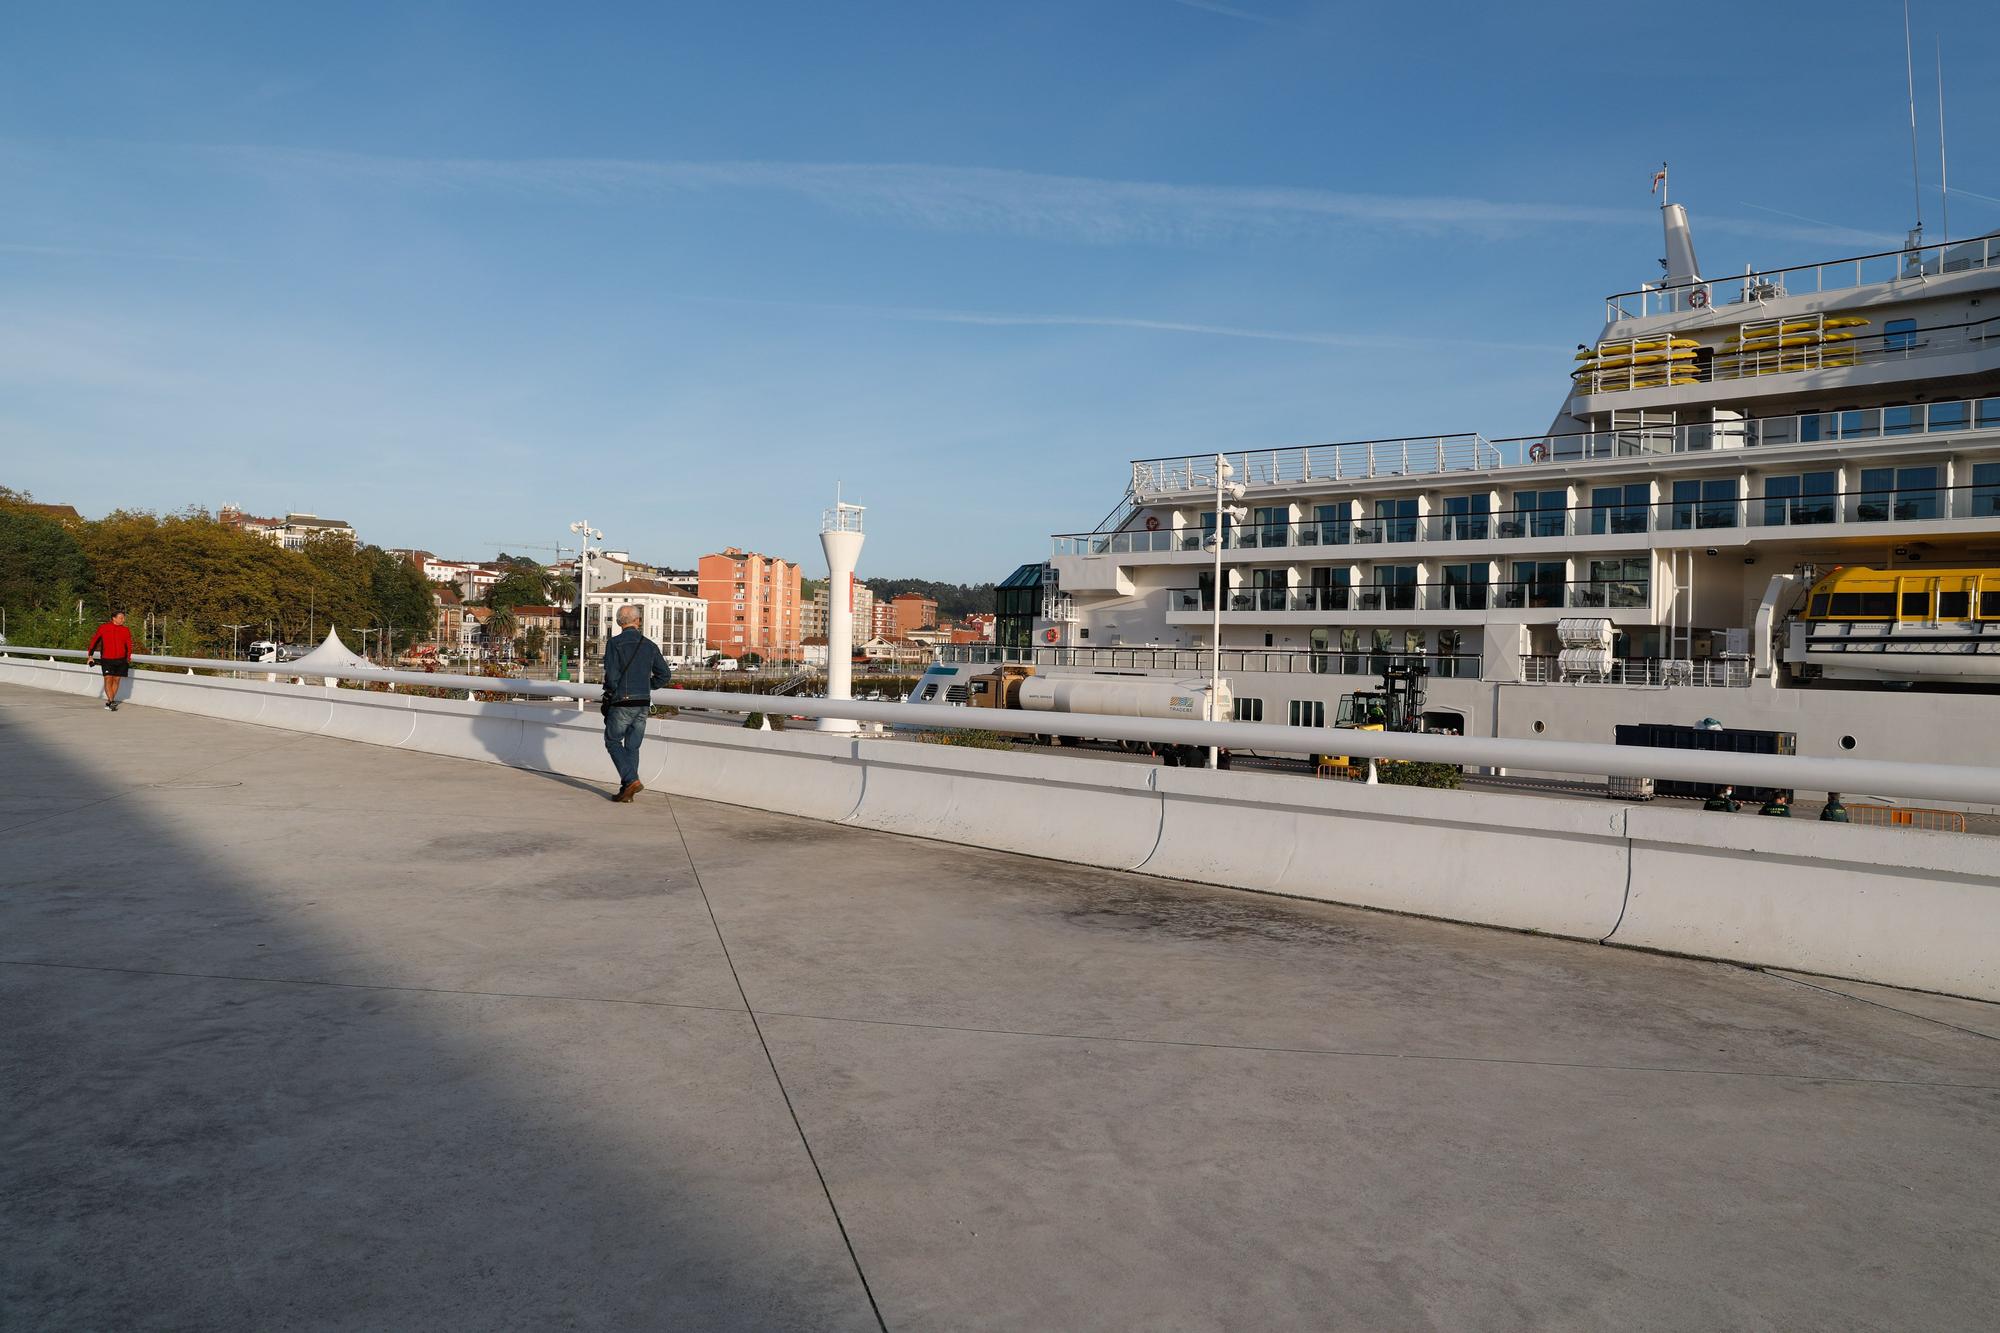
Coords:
pixel 675 621
pixel 292 531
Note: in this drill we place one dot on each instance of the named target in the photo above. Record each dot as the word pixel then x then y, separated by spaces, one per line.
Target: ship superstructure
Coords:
pixel 1724 444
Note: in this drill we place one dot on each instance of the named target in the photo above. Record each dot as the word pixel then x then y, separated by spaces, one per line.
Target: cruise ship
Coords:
pixel 1768 501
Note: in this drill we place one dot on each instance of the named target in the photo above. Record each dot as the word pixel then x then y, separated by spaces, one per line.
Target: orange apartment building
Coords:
pixel 912 612
pixel 753 604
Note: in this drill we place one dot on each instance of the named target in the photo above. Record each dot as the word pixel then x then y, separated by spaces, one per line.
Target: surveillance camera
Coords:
pixel 1711 550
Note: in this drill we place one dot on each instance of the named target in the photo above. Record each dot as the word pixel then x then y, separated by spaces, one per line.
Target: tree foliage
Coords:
pixel 955 601
pixel 184 577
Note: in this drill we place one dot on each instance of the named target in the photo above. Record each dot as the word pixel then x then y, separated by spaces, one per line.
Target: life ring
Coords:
pixel 1698 297
pixel 1051 635
pixel 1538 453
pixel 1153 523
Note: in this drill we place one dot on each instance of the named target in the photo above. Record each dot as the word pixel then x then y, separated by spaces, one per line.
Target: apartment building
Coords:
pixel 753 604
pixel 292 531
pixel 910 612
pixel 678 623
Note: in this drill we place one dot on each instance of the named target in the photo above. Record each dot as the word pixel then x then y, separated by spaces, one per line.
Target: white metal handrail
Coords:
pixel 1953 782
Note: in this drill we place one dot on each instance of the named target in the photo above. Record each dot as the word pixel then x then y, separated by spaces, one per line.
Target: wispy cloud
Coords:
pixel 1230 11
pixel 1009 319
pixel 987 199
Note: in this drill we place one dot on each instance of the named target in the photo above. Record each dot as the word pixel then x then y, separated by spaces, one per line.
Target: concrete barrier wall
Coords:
pixel 1899 906
pixel 1893 906
pixel 1518 861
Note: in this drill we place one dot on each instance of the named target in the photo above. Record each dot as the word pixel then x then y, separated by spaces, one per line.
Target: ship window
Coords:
pixel 1818 611
pixel 1308 713
pixel 1916 606
pixel 1899 335
pixel 1705 504
pixel 1954 605
pixel 1249 710
pixel 1899 420
pixel 1880 605
pixel 1986 490
pixel 1989 604
pixel 1947 416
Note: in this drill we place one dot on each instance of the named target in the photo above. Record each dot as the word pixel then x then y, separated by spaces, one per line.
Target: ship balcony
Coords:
pixel 1622 600
pixel 1188 481
pixel 1893 495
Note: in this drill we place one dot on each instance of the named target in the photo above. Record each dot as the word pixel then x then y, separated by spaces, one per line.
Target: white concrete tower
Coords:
pixel 840 536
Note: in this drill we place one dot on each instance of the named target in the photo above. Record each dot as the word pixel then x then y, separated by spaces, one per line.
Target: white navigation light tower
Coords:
pixel 840 536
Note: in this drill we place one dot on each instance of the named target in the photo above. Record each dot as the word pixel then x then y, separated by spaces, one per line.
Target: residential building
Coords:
pixel 753 604
pixel 813 653
pixel 292 531
pixel 910 612
pixel 678 623
pixel 861 605
pixel 813 618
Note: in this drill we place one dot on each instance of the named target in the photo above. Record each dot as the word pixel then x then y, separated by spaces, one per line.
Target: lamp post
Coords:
pixel 1225 491
pixel 235 631
pixel 585 536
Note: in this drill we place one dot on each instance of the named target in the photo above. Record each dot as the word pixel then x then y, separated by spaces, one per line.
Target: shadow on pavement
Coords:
pixel 199 1145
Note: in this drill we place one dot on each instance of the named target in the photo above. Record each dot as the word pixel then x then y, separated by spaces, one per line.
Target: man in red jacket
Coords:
pixel 111 648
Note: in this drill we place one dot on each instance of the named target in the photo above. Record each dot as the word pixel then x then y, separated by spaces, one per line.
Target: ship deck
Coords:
pixel 308 1033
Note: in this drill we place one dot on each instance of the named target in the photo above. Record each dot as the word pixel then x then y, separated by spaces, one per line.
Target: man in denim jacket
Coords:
pixel 633 668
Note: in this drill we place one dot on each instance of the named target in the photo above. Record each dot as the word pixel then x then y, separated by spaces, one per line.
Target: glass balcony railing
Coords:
pixel 1194 475
pixel 1450 595
pixel 1899 504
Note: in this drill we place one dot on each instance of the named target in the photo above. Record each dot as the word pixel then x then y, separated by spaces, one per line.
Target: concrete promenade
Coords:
pixel 300 1033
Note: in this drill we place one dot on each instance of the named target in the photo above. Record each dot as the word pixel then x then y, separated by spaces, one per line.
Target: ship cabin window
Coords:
pixel 1327 589
pixel 1536 583
pixel 1537 514
pixel 1208 529
pixel 1807 498
pixel 1817 611
pixel 1249 710
pixel 1308 713
pixel 1395 589
pixel 1396 520
pixel 1954 599
pixel 1916 601
pixel 1986 490
pixel 1620 508
pixel 1862 606
pixel 1705 504
pixel 1989 603
pixel 1899 335
pixel 1465 518
pixel 1332 524
pixel 1270 527
pixel 1903 493
pixel 1465 586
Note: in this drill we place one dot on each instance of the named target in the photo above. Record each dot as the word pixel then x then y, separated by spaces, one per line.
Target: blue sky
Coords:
pixel 462 274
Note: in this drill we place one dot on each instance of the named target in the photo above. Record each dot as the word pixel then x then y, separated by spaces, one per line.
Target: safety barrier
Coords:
pixel 1907 816
pixel 1867 903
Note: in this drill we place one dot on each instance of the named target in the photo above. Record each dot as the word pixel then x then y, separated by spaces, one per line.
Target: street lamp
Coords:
pixel 1225 491
pixel 586 535
pixel 235 653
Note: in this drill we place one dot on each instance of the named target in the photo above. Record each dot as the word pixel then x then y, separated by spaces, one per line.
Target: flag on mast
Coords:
pixel 1659 179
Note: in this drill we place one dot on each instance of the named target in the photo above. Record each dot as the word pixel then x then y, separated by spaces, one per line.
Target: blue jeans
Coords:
pixel 624 729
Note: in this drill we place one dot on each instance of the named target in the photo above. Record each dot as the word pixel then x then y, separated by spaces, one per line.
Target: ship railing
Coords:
pixel 1477 591
pixel 1343 461
pixel 1168 480
pixel 1354 661
pixel 1882 267
pixel 1892 493
pixel 1655 672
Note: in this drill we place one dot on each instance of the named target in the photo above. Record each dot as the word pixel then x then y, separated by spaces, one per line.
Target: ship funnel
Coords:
pixel 1681 266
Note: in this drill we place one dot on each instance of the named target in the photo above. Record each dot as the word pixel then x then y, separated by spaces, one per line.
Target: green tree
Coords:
pixel 401 598
pixel 41 565
pixel 501 627
pixel 533 642
pixel 525 584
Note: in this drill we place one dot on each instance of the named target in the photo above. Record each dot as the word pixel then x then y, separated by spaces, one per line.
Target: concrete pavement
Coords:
pixel 301 1033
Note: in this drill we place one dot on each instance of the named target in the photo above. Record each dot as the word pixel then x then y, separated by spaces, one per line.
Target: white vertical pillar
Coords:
pixel 840 536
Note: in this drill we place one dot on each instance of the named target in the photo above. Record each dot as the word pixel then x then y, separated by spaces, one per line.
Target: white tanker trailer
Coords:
pixel 1111 693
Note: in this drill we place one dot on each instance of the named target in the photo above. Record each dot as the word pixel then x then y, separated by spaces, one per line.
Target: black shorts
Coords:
pixel 121 667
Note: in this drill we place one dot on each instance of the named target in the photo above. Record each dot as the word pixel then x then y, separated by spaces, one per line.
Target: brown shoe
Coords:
pixel 627 792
